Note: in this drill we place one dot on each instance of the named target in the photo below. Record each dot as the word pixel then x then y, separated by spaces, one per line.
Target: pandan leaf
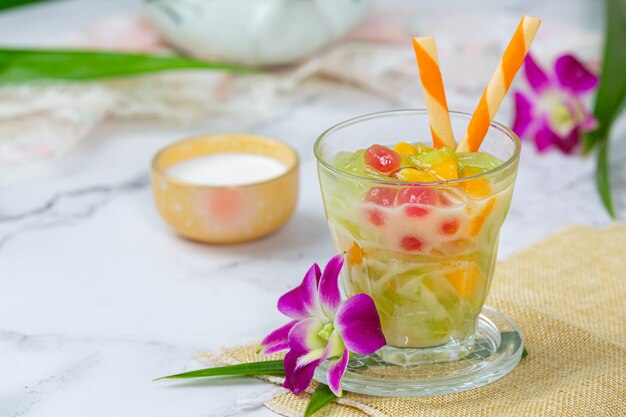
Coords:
pixel 274 368
pixel 9 4
pixel 611 96
pixel 320 399
pixel 27 65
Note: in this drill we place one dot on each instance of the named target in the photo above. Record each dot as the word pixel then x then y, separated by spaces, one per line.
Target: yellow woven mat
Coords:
pixel 568 295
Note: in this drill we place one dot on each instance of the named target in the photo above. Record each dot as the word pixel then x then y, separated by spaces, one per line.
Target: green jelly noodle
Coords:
pixel 424 253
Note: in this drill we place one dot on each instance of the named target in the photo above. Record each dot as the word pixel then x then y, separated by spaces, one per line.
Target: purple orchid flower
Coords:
pixel 552 112
pixel 322 328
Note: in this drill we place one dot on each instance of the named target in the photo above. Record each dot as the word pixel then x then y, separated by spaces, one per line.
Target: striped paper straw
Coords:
pixel 492 97
pixel 434 94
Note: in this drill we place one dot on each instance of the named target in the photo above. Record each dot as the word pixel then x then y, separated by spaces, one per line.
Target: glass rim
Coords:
pixel 355 120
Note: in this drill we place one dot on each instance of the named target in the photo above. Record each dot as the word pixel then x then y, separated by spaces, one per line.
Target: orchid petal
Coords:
pixel 568 144
pixel 589 122
pixel 297 379
pixel 304 337
pixel 335 346
pixel 335 371
pixel 330 298
pixel 573 75
pixel 310 357
pixel 535 75
pixel 545 137
pixel 277 341
pixel 523 114
pixel 306 351
pixel 290 365
pixel 358 323
pixel 338 354
pixel 300 302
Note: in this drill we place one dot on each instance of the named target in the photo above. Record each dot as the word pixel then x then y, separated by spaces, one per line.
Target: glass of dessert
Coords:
pixel 418 215
pixel 419 225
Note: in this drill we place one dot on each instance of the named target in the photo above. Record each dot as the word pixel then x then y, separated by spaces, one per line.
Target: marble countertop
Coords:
pixel 99 296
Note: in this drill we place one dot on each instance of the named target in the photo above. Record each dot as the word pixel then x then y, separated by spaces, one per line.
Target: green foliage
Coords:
pixel 320 399
pixel 603 179
pixel 10 4
pixel 27 65
pixel 611 96
pixel 274 368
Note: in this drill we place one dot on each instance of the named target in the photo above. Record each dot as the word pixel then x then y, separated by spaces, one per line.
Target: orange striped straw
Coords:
pixel 434 94
pixel 492 97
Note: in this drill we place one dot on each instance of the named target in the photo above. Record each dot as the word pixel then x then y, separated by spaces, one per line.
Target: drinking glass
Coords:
pixel 425 252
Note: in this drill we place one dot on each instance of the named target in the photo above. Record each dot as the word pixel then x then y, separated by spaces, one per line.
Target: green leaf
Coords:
pixel 524 353
pixel 25 65
pixel 611 96
pixel 9 4
pixel 602 178
pixel 274 368
pixel 320 399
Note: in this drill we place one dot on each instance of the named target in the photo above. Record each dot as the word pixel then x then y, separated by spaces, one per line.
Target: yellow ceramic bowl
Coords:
pixel 225 214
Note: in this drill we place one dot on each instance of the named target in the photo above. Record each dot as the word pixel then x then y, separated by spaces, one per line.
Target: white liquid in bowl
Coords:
pixel 227 169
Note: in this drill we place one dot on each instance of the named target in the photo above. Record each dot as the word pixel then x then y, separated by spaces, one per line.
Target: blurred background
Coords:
pixel 292 44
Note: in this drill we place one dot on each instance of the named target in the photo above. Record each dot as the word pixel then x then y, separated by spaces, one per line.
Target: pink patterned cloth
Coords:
pixel 123 33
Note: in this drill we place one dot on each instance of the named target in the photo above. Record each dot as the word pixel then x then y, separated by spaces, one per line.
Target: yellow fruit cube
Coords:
pixel 477 187
pixel 477 222
pixel 415 175
pixel 405 148
pixel 445 168
pixel 465 281
pixel 354 255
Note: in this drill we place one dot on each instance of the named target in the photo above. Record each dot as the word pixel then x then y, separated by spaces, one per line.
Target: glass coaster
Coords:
pixel 498 349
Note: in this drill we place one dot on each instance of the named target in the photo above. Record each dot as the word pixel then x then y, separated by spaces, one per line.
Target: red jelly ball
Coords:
pixel 415 211
pixel 411 243
pixel 376 217
pixel 382 196
pixel 418 195
pixel 382 158
pixel 450 226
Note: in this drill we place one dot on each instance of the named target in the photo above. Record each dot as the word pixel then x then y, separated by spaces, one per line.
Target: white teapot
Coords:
pixel 254 32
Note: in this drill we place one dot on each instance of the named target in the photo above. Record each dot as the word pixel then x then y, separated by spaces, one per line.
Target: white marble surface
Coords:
pixel 98 296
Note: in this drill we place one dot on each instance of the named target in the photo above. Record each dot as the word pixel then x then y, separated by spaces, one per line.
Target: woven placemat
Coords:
pixel 568 295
